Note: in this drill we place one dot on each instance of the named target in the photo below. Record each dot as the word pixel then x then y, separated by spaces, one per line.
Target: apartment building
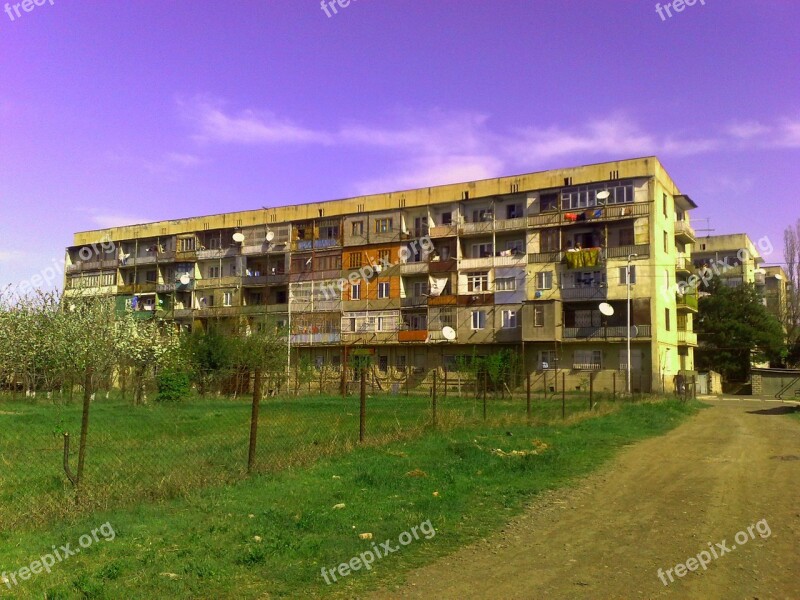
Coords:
pixel 420 277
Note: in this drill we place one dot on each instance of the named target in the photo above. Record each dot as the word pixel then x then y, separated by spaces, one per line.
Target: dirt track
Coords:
pixel 660 502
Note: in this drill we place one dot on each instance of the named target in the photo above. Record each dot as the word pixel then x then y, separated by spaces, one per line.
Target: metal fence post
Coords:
pixel 528 395
pixel 363 412
pixel 563 395
pixel 433 403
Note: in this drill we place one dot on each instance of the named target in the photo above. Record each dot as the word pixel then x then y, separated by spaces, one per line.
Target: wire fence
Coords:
pixel 159 451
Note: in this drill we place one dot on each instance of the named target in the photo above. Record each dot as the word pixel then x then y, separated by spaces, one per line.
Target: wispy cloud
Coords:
pixel 438 146
pixel 213 124
pixel 7 256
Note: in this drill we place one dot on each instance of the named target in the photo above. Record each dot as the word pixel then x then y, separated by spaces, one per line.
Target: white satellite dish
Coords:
pixel 270 236
pixel 185 279
pixel 634 331
pixel 238 237
pixel 449 333
pixel 606 309
pixel 778 276
pixel 602 196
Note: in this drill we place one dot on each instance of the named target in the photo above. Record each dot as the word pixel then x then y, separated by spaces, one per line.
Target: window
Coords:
pixel 481 215
pixel 538 316
pixel 227 299
pixel 516 246
pixel 587 359
pixel 588 279
pixel 358 227
pixel 356 260
pixel 150 277
pixel 447 218
pixel 666 318
pixel 665 205
pixel 383 289
pixel 505 284
pixel 383 225
pixel 626 236
pixel 513 211
pixel 547 359
pixel 623 271
pixel 510 320
pixel 420 289
pixel 482 250
pixel 544 280
pixel 586 196
pixel 549 241
pixel 232 269
pixel 383 364
pixel 478 319
pixel 187 244
pixel 355 291
pixel 587 318
pixel 666 242
pixel 478 282
pixel 213 272
pixel 384 256
pixel 548 202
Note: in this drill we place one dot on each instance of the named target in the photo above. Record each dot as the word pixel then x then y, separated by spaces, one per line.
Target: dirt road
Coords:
pixel 659 503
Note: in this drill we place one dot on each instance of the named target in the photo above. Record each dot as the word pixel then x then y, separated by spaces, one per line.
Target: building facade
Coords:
pixel 420 277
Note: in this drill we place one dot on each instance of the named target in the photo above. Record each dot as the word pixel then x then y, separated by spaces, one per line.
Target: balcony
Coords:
pixel 254 280
pixel 217 253
pixel 182 313
pixel 603 333
pixel 217 282
pixel 485 262
pixel 312 339
pixel 481 227
pixel 254 309
pixel 442 266
pixel 449 300
pixel 547 219
pixel 624 251
pixel 584 258
pixel 687 302
pixel 147 259
pixel 73 268
pixel 255 249
pixel 683 264
pixel 414 268
pixel 684 232
pixel 437 337
pixel 545 257
pixel 586 366
pixel 412 335
pixel 411 301
pixel 137 288
pixel 165 255
pixel 510 224
pixel 687 338
pixel 323 243
pixel 587 292
pixel 515 260
pixel 440 231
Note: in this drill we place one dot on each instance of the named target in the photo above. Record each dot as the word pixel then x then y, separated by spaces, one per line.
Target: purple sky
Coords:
pixel 120 112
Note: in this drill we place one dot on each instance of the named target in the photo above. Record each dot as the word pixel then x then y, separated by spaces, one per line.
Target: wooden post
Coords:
pixel 362 426
pixel 87 399
pixel 433 402
pixel 445 382
pixel 485 385
pixel 544 385
pixel 528 395
pixel 694 387
pixel 563 395
pixel 614 385
pixel 591 390
pixel 251 454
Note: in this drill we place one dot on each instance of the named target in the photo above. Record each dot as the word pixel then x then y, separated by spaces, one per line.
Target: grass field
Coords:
pixel 163 451
pixel 273 533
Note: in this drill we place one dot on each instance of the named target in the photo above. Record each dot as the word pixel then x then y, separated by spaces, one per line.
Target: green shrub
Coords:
pixel 173 386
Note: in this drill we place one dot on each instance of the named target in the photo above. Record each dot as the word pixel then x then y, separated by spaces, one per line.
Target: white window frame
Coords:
pixel 383 290
pixel 544 280
pixel 510 319
pixel 505 284
pixel 355 291
pixel 478 320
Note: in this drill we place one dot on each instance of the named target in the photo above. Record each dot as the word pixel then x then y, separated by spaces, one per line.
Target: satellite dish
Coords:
pixel 185 279
pixel 449 333
pixel 538 294
pixel 606 309
pixel 778 276
pixel 634 331
pixel 602 196
pixel 270 236
pixel 238 237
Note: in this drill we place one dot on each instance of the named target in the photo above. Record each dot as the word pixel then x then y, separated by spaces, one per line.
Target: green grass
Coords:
pixel 163 451
pixel 206 539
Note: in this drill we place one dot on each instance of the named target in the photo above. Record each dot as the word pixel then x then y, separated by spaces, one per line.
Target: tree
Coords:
pixel 734 330
pixel 791 316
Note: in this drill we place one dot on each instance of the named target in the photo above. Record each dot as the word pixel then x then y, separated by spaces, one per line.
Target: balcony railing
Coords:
pixel 545 257
pixel 437 336
pixel 217 282
pixel 510 224
pixel 414 301
pixel 414 268
pixel 682 263
pixel 443 230
pixel 594 292
pixel 687 338
pixel 254 280
pixel 217 253
pixel 313 339
pixel 475 228
pixel 642 331
pixel 687 301
pixel 485 262
pixel 625 251
pixel 586 366
pixel 413 335
pixel 683 229
pixel 515 260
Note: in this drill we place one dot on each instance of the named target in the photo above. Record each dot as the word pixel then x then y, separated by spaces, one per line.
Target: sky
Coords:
pixel 114 113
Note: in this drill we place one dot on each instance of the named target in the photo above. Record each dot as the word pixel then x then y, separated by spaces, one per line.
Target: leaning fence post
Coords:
pixel 251 453
pixel 528 395
pixel 362 425
pixel 433 403
pixel 563 395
